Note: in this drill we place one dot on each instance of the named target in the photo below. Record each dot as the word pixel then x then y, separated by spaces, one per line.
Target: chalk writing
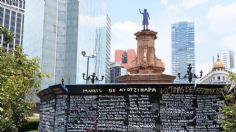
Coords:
pixel 133 108
pixel 83 113
pixel 60 113
pixel 111 113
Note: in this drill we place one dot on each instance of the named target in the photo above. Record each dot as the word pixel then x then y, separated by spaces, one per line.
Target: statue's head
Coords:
pixel 145 10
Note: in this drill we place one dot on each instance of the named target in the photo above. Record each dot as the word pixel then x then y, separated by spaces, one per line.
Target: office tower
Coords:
pixel 183 49
pixel 227 58
pixel 115 71
pixel 102 51
pixel 33 28
pixel 33 31
pixel 70 27
pixel 12 17
pixel 125 57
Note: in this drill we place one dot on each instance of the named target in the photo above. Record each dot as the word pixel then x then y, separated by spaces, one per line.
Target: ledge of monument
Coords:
pixel 154 68
pixel 146 78
pixel 145 32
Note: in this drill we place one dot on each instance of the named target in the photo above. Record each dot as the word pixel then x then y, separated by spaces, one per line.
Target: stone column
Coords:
pixel 145 47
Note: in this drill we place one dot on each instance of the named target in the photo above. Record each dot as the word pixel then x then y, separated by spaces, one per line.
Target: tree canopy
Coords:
pixel 8 35
pixel 228 116
pixel 19 75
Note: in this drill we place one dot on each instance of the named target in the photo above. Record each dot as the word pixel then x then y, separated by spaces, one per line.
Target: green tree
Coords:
pixel 18 77
pixel 8 35
pixel 228 112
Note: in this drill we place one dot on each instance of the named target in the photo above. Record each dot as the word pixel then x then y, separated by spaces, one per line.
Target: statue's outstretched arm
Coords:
pixel 140 11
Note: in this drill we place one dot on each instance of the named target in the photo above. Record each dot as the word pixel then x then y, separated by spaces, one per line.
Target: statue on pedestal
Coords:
pixel 146 17
pixel 146 67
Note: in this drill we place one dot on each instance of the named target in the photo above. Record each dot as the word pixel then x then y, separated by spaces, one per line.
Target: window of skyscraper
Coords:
pixel 1 15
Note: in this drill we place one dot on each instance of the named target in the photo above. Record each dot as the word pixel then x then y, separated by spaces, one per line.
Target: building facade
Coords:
pixel 116 70
pixel 103 52
pixel 33 35
pixel 227 58
pixel 218 74
pixel 125 57
pixel 12 17
pixel 68 30
pixel 119 56
pixel 183 48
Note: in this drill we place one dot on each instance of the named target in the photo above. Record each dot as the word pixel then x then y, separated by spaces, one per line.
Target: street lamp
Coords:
pixel 62 81
pixel 190 76
pixel 84 55
pixel 92 77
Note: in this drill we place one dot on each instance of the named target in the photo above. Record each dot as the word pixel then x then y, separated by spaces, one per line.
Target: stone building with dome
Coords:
pixel 218 74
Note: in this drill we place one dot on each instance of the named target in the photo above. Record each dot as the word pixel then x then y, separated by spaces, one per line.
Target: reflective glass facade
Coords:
pixel 102 51
pixel 70 27
pixel 94 39
pixel 116 70
pixel 33 31
pixel 49 42
pixel 33 28
pixel 12 17
pixel 183 49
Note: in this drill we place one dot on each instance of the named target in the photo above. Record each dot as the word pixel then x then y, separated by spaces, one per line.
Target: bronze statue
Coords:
pixel 146 17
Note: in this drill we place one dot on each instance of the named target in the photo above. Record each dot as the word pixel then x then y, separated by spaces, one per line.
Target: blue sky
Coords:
pixel 215 26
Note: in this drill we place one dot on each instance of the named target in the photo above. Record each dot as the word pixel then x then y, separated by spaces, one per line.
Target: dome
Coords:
pixel 218 64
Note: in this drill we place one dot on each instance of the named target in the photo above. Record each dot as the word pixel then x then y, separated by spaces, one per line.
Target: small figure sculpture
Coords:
pixel 146 17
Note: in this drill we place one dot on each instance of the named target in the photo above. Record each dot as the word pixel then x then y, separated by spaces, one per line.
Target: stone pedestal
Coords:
pixel 146 68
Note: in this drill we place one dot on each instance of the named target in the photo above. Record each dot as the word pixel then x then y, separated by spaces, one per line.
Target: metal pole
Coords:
pixel 87 70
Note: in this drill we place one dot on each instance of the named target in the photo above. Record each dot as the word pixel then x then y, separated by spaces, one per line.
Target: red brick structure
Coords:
pixel 118 56
pixel 125 57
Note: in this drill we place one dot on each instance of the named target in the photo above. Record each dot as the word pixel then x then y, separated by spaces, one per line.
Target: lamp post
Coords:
pixel 92 77
pixel 190 76
pixel 62 81
pixel 84 55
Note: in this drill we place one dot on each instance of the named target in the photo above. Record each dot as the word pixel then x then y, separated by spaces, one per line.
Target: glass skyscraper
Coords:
pixel 183 49
pixel 116 70
pixel 33 28
pixel 70 27
pixel 102 51
pixel 12 17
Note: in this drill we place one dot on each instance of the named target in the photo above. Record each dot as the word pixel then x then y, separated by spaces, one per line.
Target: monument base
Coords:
pixel 146 78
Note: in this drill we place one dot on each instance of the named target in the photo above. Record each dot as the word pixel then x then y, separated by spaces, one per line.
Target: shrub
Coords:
pixel 32 124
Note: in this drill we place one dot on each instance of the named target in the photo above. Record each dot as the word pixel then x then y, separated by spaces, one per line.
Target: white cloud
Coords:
pixel 200 38
pixel 164 2
pixel 222 18
pixel 123 36
pixel 92 21
pixel 229 42
pixel 163 48
pixel 173 7
pixel 121 29
pixel 192 3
